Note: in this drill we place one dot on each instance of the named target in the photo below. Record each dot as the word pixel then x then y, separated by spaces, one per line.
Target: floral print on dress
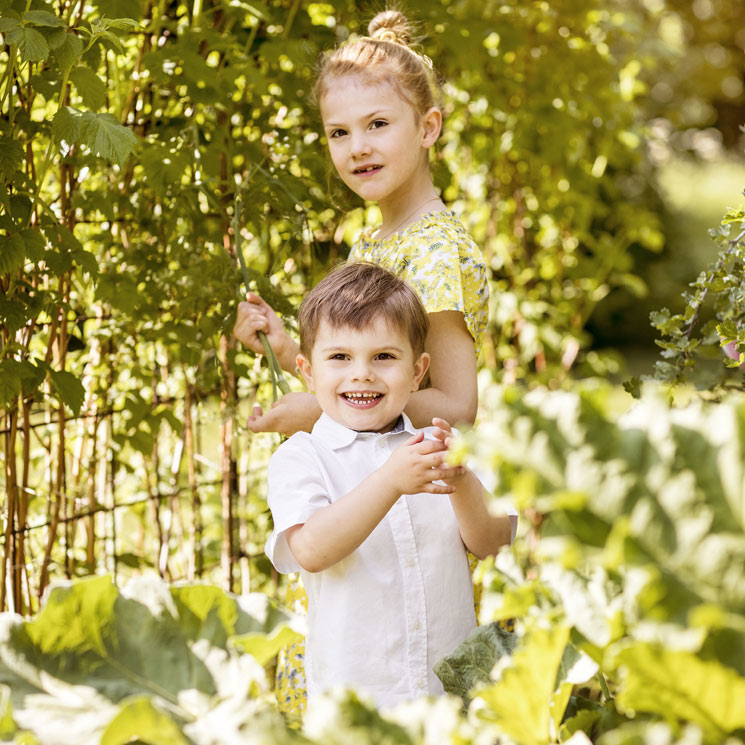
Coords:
pixel 438 257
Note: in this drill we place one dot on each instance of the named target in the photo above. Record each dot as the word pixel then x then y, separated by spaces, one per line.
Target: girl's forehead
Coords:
pixel 346 91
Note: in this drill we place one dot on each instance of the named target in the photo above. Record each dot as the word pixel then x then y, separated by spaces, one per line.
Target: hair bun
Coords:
pixel 390 25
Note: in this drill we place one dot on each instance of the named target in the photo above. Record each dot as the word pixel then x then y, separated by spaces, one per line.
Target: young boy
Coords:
pixel 366 506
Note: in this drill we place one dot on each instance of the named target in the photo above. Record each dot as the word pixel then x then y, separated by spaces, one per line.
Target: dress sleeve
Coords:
pixel 296 489
pixel 448 274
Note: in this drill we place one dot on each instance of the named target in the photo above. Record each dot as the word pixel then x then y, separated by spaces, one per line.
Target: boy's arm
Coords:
pixel 482 533
pixel 335 531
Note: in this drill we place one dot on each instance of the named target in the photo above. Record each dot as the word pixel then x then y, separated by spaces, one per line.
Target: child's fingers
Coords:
pixel 425 447
pixel 433 488
pixel 442 424
pixel 415 439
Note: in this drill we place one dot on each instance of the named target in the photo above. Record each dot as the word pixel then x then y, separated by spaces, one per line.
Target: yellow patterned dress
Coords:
pixel 438 257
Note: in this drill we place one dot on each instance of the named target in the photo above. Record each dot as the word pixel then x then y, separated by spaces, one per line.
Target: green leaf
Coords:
pixel 633 386
pixel 13 314
pixel 139 720
pixel 472 662
pixel 102 133
pixel 34 243
pixel 68 52
pixel 31 44
pixel 11 157
pixel 66 125
pixel 116 9
pixel 678 685
pixel 150 661
pixel 69 389
pixel 7 725
pixel 8 24
pixel 10 381
pixel 12 253
pixel 42 18
pixel 89 86
pixel 519 702
pixel 106 137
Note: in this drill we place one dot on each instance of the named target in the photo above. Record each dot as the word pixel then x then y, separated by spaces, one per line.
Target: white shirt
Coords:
pixel 379 619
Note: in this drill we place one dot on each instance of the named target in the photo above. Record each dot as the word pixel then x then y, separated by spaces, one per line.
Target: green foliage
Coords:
pixel 147 662
pixel 712 324
pixel 641 554
pixel 472 662
pixel 627 575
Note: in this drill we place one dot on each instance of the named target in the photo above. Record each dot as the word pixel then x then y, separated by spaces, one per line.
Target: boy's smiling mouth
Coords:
pixel 362 399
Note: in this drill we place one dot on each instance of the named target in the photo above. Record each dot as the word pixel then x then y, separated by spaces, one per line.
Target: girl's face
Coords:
pixel 377 142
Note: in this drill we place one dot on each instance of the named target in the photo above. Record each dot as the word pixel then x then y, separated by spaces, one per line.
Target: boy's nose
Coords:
pixel 362 371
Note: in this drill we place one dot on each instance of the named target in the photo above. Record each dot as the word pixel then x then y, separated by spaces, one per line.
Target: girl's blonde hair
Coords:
pixel 383 55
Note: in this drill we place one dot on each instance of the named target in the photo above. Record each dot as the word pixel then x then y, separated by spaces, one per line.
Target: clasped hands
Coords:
pixel 418 464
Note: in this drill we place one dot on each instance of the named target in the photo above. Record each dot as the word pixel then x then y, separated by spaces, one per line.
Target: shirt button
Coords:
pixel 410 563
pixel 417 625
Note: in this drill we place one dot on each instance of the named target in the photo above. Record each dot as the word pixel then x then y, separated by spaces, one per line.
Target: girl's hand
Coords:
pixel 254 315
pixel 294 412
pixel 444 434
pixel 416 465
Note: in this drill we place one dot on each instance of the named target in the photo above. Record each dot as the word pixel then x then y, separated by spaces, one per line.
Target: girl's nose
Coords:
pixel 360 145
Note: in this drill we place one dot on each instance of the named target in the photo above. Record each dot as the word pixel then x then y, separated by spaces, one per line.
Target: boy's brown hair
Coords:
pixel 353 295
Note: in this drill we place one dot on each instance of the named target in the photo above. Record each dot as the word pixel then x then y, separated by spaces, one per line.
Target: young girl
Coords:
pixel 378 103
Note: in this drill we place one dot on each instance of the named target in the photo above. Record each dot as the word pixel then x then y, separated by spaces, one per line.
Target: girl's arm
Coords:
pixel 453 391
pixel 294 412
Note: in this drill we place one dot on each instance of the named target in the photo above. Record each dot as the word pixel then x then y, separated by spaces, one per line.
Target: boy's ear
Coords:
pixel 432 125
pixel 420 369
pixel 303 364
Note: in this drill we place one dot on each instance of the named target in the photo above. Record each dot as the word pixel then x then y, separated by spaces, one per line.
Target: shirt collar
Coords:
pixel 337 436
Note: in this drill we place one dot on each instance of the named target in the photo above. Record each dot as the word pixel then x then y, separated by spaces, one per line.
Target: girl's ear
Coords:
pixel 431 126
pixel 420 368
pixel 303 364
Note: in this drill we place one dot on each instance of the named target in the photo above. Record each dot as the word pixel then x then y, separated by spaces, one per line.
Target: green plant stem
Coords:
pixel 604 687
pixel 279 382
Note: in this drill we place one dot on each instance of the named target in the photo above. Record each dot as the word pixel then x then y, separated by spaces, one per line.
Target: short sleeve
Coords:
pixel 296 489
pixel 440 260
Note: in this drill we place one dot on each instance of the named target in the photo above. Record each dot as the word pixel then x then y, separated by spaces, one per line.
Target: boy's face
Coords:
pixel 363 378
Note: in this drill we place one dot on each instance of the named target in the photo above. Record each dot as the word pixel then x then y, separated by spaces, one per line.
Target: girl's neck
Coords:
pixel 400 212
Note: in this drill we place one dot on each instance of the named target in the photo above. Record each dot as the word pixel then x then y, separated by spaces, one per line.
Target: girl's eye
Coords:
pixel 337 133
pixel 378 123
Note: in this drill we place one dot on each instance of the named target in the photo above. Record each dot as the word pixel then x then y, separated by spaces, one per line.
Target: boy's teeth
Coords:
pixel 362 396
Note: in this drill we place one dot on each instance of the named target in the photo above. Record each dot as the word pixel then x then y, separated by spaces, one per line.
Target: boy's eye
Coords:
pixel 338 356
pixel 386 356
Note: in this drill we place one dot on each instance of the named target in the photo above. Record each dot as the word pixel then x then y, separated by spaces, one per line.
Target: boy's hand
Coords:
pixel 294 412
pixel 254 315
pixel 417 464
